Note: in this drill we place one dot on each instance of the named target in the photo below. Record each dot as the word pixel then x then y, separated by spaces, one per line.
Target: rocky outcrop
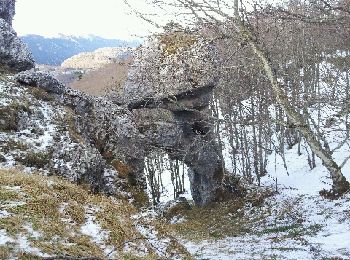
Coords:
pixel 14 54
pixel 7 10
pixel 103 141
pixel 169 88
pixel 93 140
pixel 42 80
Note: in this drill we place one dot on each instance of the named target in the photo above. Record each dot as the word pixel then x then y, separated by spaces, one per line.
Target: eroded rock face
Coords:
pixel 170 87
pixel 166 102
pixel 14 54
pixel 7 10
pixel 100 144
pixel 171 64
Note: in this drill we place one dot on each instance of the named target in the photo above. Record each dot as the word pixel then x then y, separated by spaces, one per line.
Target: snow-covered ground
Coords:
pixel 315 228
pixel 318 228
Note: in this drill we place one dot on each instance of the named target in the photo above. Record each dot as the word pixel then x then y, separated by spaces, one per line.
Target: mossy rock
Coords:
pixel 173 42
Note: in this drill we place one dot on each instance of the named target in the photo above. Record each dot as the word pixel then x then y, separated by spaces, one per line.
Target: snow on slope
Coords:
pixel 318 228
pixel 326 223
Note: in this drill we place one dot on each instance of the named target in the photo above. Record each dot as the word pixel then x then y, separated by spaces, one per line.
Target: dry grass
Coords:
pixel 215 221
pixel 224 219
pixel 111 77
pixel 57 210
pixel 69 120
pixel 41 94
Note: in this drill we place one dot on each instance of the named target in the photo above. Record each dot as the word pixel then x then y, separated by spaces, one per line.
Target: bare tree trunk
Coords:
pixel 340 184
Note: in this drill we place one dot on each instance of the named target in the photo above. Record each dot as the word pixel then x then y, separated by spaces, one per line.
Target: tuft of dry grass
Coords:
pixel 41 94
pixel 69 119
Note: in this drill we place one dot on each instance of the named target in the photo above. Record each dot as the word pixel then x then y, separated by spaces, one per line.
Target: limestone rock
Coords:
pixel 169 89
pixel 40 79
pixel 83 164
pixel 14 54
pixel 171 64
pixel 7 10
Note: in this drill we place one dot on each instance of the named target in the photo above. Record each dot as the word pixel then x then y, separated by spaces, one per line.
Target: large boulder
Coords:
pixel 14 54
pixel 172 64
pixel 7 10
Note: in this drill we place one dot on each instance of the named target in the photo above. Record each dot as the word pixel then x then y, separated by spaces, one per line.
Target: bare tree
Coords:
pixel 256 30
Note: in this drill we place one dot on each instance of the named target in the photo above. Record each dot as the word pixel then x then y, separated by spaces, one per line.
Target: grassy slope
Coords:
pixel 50 216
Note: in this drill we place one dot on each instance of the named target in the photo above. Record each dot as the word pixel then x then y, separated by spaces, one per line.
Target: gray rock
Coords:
pixel 167 95
pixel 169 88
pixel 7 10
pixel 42 80
pixel 83 164
pixel 14 54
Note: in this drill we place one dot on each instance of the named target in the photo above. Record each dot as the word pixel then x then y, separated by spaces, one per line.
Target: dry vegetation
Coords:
pixel 246 216
pixel 111 77
pixel 173 42
pixel 50 214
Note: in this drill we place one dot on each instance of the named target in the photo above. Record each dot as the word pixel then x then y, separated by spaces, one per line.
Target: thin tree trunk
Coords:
pixel 340 184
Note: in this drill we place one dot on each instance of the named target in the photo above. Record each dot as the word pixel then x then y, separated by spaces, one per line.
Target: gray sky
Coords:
pixel 106 18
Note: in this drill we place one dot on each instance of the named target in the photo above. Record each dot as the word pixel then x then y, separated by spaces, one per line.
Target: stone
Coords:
pixel 42 80
pixel 83 164
pixel 169 90
pixel 14 54
pixel 171 64
pixel 7 10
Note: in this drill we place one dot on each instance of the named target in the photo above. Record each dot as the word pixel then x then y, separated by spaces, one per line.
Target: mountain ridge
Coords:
pixel 54 50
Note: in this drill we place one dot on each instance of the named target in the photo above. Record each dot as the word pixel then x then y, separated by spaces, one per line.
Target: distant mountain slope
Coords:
pixel 97 58
pixel 53 51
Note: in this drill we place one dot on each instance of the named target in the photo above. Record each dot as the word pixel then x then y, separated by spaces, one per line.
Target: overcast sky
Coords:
pixel 106 18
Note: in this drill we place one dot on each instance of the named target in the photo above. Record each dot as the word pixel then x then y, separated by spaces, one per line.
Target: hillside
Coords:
pixel 47 216
pixel 225 136
pixel 53 51
pixel 109 78
pixel 98 58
